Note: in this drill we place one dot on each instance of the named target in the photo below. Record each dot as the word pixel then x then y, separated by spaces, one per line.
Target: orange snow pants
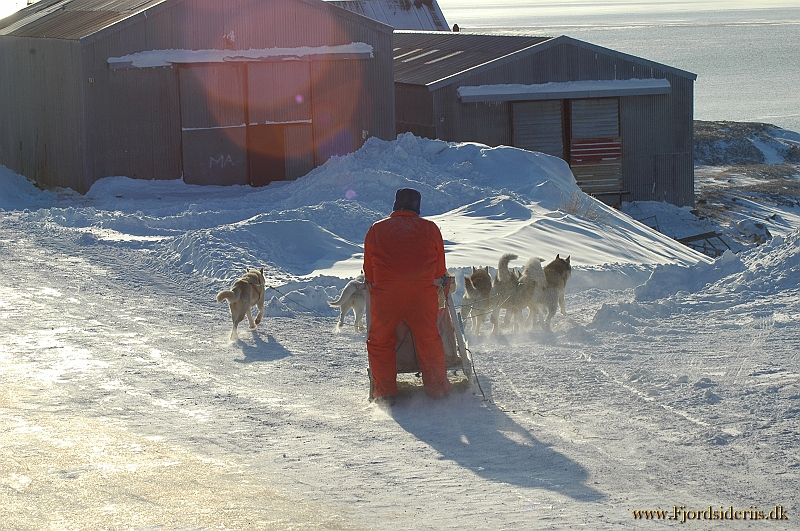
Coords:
pixel 418 306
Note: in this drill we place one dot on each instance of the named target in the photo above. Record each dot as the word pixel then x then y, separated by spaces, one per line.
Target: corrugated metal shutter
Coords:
pixel 595 145
pixel 595 118
pixel 213 125
pixel 537 126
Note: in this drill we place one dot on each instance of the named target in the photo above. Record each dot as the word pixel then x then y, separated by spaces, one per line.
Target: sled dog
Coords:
pixel 477 301
pixel 353 297
pixel 530 288
pixel 243 295
pixel 504 294
pixel 551 297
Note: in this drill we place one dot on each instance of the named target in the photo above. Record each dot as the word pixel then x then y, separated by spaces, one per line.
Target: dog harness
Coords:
pixel 255 288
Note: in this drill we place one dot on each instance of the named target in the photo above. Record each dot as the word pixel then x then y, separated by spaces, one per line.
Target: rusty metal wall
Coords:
pixel 414 110
pixel 299 142
pixel 41 110
pixel 335 110
pixel 132 119
pixel 488 123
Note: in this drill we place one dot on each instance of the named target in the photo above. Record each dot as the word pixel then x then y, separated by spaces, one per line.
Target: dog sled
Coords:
pixel 451 330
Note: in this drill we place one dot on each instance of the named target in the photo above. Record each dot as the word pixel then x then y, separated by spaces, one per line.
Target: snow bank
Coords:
pixel 670 279
pixel 733 284
pixel 308 233
pixel 19 193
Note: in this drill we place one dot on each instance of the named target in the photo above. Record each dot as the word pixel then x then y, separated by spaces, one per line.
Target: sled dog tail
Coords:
pixel 503 273
pixel 230 295
pixel 347 292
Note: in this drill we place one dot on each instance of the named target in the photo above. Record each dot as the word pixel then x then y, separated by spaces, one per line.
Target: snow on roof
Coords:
pixel 156 58
pixel 569 89
pixel 400 14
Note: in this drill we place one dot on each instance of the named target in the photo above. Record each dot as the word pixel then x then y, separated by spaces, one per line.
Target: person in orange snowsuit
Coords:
pixel 403 256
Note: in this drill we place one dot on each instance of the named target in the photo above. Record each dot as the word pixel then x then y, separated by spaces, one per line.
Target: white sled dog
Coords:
pixel 551 297
pixel 245 293
pixel 477 301
pixel 352 298
pixel 530 289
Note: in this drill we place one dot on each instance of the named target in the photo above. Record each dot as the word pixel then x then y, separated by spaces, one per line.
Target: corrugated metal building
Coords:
pixel 214 91
pixel 623 123
pixel 400 14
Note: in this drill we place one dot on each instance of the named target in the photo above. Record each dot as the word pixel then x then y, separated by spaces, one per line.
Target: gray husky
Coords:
pixel 477 301
pixel 245 293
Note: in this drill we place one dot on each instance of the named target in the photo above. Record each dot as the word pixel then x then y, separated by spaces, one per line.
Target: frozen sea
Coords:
pixel 747 59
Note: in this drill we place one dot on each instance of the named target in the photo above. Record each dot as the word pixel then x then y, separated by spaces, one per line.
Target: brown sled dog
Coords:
pixel 477 301
pixel 243 295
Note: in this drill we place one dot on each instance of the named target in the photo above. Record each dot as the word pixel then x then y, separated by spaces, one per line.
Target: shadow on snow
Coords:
pixel 260 350
pixel 488 442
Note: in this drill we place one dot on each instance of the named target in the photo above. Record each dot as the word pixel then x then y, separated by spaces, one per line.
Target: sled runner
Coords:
pixel 451 330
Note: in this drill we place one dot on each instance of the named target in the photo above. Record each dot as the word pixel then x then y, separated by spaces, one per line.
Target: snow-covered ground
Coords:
pixel 672 384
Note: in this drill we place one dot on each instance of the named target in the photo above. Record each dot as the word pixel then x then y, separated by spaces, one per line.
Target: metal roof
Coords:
pixel 400 14
pixel 423 58
pixel 435 59
pixel 70 19
pixel 77 19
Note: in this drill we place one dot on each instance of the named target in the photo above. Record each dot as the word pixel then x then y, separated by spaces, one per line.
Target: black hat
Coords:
pixel 407 199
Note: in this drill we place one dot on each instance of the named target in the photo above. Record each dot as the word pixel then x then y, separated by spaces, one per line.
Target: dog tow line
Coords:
pixel 312 310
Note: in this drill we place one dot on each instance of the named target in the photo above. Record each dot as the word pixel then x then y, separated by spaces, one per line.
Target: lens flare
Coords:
pixel 221 97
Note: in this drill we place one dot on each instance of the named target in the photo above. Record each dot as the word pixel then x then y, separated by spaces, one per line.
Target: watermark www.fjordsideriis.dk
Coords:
pixel 682 514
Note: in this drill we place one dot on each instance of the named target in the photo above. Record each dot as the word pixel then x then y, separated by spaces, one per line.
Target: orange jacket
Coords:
pixel 404 248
